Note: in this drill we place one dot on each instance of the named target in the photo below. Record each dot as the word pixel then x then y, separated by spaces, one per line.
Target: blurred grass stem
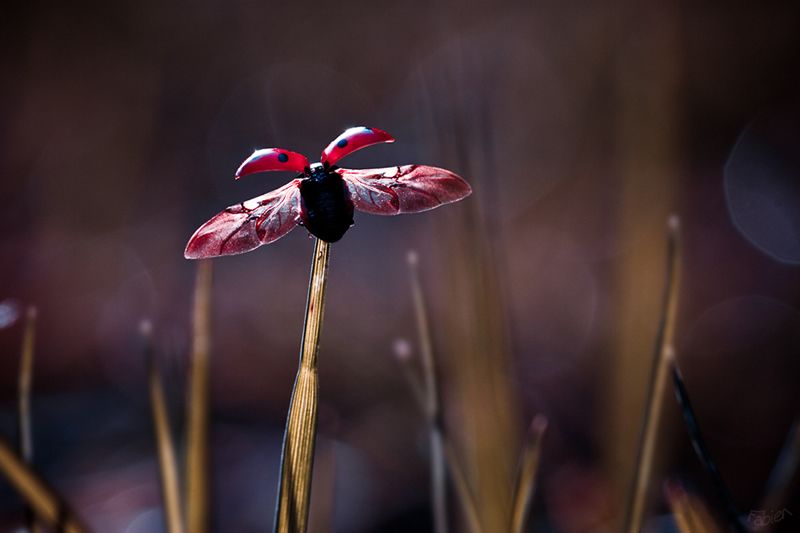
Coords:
pixel 15 466
pixel 25 433
pixel 45 502
pixel 689 512
pixel 783 476
pixel 433 410
pixel 526 478
pixel 420 388
pixel 454 466
pixel 291 515
pixel 659 378
pixel 25 379
pixel 197 464
pixel 462 488
pixel 167 460
pixel 732 514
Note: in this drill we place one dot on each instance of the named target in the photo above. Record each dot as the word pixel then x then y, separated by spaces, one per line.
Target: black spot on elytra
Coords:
pixel 283 158
pixel 342 143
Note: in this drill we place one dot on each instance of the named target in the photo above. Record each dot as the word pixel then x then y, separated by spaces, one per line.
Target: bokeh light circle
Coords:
pixel 762 185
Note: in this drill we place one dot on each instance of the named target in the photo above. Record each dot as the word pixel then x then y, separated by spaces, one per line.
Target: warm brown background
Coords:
pixel 581 126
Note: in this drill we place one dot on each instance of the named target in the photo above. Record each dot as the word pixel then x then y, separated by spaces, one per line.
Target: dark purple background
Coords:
pixel 121 124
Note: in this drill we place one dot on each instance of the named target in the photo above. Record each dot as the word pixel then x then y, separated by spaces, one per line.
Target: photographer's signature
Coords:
pixel 765 518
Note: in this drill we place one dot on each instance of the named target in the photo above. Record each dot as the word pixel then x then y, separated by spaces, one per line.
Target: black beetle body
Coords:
pixel 327 211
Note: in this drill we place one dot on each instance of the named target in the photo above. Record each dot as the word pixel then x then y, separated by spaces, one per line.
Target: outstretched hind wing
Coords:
pixel 406 189
pixel 243 227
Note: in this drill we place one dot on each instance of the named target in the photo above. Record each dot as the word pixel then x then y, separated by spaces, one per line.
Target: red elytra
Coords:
pixel 322 198
pixel 272 159
pixel 351 140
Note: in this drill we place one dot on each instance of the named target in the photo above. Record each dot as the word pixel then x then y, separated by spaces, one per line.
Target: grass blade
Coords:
pixel 291 515
pixel 433 410
pixel 462 488
pixel 167 461
pixel 689 512
pixel 782 477
pixel 197 465
pixel 457 475
pixel 323 493
pixel 526 480
pixel 25 436
pixel 427 396
pixel 25 379
pixel 404 353
pixel 729 508
pixel 659 377
pixel 47 505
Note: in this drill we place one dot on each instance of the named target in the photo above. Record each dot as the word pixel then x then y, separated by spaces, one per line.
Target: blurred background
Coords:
pixel 581 127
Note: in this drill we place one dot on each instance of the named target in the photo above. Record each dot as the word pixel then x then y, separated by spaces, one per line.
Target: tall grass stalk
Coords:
pixel 197 464
pixel 24 434
pixel 167 457
pixel 526 476
pixel 24 392
pixel 291 515
pixel 426 393
pixel 783 476
pixel 41 500
pixel 689 512
pixel 454 466
pixel 433 411
pixel 46 503
pixel 732 514
pixel 463 489
pixel 659 379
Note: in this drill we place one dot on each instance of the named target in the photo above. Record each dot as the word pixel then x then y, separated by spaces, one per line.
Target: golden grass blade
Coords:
pixel 197 465
pixel 659 378
pixel 689 512
pixel 167 461
pixel 782 478
pixel 323 491
pixel 25 444
pixel 526 480
pixel 25 379
pixel 480 373
pixel 432 407
pixel 647 92
pixel 47 505
pixel 291 515
pixel 461 485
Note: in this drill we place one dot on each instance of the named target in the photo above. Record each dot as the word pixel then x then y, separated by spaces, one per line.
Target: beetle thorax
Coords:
pixel 317 170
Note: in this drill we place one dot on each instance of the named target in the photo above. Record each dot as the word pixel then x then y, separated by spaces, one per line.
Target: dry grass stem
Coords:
pixel 299 438
pixel 25 379
pixel 47 505
pixel 689 512
pixel 323 491
pixel 462 488
pixel 197 464
pixel 454 467
pixel 526 479
pixel 783 476
pixel 24 420
pixel 432 405
pixel 723 493
pixel 167 460
pixel 403 353
pixel 659 378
